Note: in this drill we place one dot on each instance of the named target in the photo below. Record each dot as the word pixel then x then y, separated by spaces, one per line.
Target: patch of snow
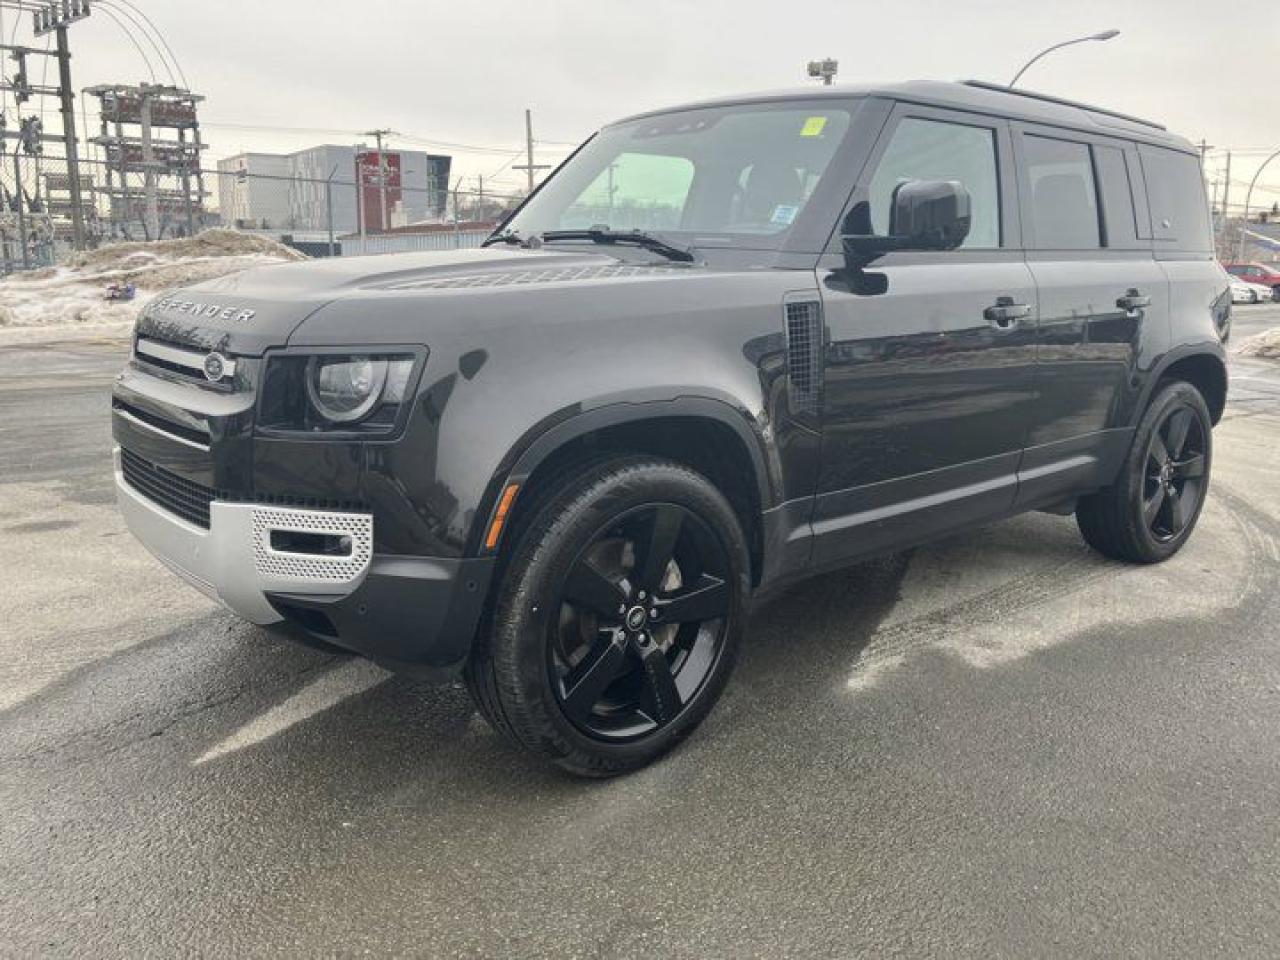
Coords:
pixel 1264 345
pixel 73 293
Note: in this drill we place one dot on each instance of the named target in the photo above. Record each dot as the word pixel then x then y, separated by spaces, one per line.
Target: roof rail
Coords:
pixel 1000 88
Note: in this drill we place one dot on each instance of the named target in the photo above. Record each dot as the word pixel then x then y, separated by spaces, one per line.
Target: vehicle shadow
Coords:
pixel 188 692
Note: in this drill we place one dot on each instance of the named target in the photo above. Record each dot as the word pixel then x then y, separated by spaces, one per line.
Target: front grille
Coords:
pixel 180 496
pixel 181 360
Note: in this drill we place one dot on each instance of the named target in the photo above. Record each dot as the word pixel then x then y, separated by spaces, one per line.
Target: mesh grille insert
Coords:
pixel 804 355
pixel 185 498
pixel 269 561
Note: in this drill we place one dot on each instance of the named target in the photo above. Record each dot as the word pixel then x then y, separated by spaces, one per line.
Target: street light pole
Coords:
pixel 1104 35
pixel 1244 226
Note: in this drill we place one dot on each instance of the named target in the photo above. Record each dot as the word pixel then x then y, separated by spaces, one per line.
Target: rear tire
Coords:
pixel 618 617
pixel 1149 513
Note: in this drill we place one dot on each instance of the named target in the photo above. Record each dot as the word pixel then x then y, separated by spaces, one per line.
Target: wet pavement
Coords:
pixel 999 744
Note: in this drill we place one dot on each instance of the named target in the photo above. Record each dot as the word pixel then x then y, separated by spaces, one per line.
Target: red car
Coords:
pixel 1267 275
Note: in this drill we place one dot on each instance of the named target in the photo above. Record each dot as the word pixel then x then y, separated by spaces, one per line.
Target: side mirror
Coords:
pixel 926 215
pixel 930 214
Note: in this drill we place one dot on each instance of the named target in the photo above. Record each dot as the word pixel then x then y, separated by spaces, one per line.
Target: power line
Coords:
pixel 1244 151
pixel 156 30
pixel 132 39
pixel 108 7
pixel 510 160
pixel 274 127
pixel 406 137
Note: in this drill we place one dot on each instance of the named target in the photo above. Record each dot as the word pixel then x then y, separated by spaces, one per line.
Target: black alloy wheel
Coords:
pixel 641 622
pixel 1176 461
pixel 1149 512
pixel 619 610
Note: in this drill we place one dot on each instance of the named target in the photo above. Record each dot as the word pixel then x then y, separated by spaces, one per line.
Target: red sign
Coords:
pixel 375 173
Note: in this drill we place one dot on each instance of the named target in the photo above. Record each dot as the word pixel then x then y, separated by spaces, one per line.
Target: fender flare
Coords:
pixel 1207 349
pixel 545 438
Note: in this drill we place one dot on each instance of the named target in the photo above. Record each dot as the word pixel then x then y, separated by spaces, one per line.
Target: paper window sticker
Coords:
pixel 813 127
pixel 784 214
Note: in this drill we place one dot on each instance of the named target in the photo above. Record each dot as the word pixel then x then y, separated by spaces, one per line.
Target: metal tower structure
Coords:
pixel 156 183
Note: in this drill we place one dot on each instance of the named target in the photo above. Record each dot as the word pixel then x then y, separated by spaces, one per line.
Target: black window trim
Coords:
pixel 1006 187
pixel 1024 179
pixel 1137 187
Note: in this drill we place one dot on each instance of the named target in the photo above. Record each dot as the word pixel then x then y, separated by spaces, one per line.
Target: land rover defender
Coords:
pixel 722 348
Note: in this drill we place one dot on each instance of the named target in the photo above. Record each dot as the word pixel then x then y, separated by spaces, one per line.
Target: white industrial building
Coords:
pixel 302 191
pixel 253 190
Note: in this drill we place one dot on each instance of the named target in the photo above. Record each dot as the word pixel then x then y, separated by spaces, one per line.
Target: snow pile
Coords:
pixel 1264 345
pixel 73 292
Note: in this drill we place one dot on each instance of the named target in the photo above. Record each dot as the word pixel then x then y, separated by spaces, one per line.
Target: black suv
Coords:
pixel 724 347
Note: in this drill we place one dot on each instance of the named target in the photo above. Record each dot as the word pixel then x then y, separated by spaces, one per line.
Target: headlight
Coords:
pixel 361 393
pixel 348 389
pixel 345 389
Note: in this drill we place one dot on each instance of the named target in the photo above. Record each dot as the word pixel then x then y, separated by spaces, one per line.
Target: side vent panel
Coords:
pixel 804 356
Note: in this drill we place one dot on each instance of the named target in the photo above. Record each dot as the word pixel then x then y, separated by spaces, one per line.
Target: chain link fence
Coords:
pixel 330 215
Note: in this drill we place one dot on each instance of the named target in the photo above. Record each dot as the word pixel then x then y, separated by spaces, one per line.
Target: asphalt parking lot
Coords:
pixel 997 745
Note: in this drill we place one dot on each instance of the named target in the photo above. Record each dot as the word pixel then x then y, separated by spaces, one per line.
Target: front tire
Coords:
pixel 1148 514
pixel 618 618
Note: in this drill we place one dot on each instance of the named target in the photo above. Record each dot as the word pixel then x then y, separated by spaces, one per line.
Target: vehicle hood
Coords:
pixel 248 312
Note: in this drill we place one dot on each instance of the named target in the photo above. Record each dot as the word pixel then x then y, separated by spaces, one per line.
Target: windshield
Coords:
pixel 728 176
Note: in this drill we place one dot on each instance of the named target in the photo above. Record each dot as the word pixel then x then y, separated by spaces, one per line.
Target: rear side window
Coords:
pixel 939 150
pixel 1064 198
pixel 1119 222
pixel 1179 210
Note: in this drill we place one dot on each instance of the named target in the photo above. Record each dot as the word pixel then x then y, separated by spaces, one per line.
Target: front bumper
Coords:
pixel 412 614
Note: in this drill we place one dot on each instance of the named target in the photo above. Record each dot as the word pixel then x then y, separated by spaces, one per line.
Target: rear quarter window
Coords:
pixel 1179 208
pixel 1120 221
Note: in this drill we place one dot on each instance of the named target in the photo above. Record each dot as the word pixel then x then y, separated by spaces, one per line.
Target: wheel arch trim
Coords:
pixel 1206 351
pixel 553 433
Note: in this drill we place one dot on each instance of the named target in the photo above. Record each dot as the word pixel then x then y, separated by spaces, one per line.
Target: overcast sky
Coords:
pixel 464 72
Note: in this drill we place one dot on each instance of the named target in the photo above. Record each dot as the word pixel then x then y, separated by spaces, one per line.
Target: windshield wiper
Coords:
pixel 506 236
pixel 637 238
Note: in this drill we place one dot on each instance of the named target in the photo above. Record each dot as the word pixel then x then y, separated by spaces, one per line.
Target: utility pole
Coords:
pixel 529 166
pixel 1226 192
pixel 1204 147
pixel 55 18
pixel 68 98
pixel 479 198
pixel 382 173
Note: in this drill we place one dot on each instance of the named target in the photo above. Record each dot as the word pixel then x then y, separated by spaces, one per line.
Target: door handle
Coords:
pixel 1005 314
pixel 1133 300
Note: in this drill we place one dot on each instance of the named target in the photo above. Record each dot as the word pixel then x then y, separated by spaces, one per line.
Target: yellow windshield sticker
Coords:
pixel 813 127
